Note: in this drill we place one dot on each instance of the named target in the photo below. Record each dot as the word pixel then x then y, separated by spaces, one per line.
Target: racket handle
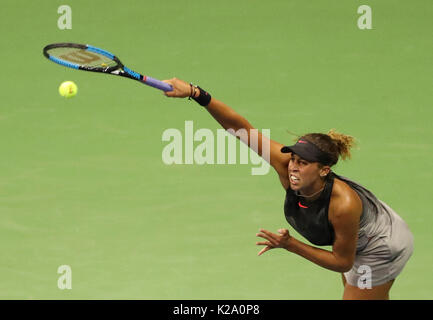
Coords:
pixel 157 84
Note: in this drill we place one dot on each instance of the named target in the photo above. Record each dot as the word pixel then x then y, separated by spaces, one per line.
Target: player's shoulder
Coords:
pixel 344 199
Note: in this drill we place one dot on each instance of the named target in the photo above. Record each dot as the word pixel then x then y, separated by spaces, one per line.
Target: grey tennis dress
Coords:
pixel 385 242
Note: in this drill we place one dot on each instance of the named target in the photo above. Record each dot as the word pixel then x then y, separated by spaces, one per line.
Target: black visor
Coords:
pixel 309 151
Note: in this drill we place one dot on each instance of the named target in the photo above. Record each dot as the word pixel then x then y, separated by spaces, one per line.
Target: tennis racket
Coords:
pixel 90 58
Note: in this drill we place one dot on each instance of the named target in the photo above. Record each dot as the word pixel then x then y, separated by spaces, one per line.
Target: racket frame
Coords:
pixel 119 69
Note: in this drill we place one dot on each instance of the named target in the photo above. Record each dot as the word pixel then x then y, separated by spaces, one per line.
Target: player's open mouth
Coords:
pixel 294 179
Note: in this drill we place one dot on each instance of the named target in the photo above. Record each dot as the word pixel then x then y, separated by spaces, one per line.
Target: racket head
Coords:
pixel 90 58
pixel 82 56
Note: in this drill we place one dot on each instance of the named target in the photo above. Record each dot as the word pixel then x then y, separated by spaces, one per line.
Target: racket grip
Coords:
pixel 157 84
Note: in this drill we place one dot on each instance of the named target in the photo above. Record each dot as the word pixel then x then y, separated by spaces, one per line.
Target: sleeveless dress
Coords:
pixel 384 244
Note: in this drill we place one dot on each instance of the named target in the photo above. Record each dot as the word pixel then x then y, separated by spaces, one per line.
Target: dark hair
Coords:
pixel 336 144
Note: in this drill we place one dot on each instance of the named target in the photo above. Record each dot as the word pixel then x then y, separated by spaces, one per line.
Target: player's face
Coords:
pixel 302 173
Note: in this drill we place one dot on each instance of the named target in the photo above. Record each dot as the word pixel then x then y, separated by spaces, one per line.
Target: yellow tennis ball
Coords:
pixel 68 89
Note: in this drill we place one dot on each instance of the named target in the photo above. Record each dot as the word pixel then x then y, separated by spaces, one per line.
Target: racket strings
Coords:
pixel 82 57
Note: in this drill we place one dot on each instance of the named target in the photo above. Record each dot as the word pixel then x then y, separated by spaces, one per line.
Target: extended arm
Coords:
pixel 230 119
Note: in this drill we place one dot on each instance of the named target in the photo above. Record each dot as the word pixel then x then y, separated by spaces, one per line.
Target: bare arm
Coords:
pixel 345 220
pixel 230 119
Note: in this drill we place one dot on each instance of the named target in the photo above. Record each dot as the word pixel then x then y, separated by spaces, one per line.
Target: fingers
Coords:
pixel 171 81
pixel 181 89
pixel 272 238
pixel 263 243
pixel 268 233
pixel 270 244
pixel 264 250
pixel 172 92
pixel 270 241
pixel 283 232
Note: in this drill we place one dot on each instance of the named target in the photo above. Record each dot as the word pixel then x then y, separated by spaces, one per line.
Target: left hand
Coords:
pixel 280 240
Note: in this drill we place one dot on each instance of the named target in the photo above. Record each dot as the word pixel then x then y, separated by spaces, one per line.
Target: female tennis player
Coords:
pixel 370 242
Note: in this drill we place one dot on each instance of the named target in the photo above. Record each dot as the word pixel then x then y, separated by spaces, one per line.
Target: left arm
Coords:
pixel 345 220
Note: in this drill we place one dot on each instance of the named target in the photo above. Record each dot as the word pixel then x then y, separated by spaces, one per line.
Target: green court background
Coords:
pixel 82 182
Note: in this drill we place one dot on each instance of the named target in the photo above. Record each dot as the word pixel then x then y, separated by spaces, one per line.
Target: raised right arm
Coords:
pixel 230 119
